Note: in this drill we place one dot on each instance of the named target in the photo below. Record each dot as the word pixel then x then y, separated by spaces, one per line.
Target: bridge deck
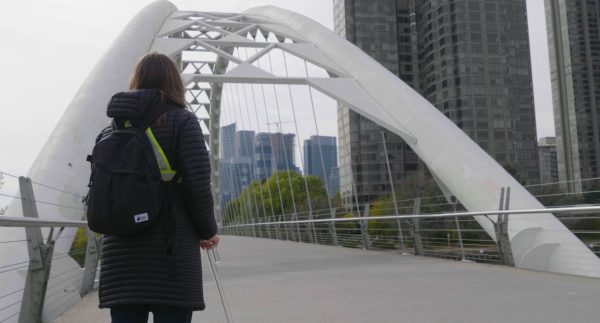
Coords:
pixel 278 281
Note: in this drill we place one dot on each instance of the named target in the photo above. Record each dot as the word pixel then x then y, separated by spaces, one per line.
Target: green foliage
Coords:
pixel 284 190
pixel 412 187
pixel 79 246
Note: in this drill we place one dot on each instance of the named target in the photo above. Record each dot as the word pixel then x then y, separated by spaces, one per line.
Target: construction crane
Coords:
pixel 279 128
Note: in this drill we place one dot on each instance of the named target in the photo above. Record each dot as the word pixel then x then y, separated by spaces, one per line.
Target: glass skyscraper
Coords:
pixel 469 58
pixel 320 159
pixel 574 45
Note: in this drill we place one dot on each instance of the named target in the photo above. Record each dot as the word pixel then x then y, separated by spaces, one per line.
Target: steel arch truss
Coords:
pixel 213 37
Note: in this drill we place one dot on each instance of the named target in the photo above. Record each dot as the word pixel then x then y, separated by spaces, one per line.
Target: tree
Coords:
pixel 79 246
pixel 281 193
pixel 432 201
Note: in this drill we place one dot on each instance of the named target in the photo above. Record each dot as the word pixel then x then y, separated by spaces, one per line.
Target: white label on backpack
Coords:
pixel 141 218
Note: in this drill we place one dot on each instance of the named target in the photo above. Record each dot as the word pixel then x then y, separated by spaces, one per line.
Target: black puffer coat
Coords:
pixel 136 269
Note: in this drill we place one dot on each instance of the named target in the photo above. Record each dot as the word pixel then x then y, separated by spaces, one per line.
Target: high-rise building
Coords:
pixel 263 156
pixel 243 163
pixel 244 144
pixel 384 30
pixel 469 58
pixel 320 157
pixel 226 154
pixel 242 171
pixel 226 181
pixel 283 151
pixel 548 162
pixel 334 182
pixel 236 164
pixel 227 139
pixel 574 45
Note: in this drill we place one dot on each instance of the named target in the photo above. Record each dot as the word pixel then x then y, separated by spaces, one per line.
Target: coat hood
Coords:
pixel 133 105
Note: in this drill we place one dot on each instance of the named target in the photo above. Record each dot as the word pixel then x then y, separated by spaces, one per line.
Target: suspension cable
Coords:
pixel 262 148
pixel 300 148
pixel 283 141
pixel 262 86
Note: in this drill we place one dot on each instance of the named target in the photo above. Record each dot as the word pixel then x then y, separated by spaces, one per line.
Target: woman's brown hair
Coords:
pixel 158 71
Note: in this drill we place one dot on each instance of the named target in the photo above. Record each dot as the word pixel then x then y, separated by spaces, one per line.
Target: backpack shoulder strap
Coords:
pixel 166 171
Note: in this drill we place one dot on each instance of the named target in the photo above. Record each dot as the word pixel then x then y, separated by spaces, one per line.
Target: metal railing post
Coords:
pixel 501 229
pixel 285 227
pixel 91 262
pixel 298 233
pixel 364 228
pixel 291 226
pixel 277 233
pixel 460 241
pixel 267 234
pixel 310 229
pixel 332 231
pixel 416 228
pixel 394 199
pixel 254 235
pixel 40 259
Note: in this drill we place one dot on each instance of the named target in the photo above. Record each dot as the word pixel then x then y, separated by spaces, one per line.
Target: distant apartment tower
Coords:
pixel 548 161
pixel 226 154
pixel 320 158
pixel 236 169
pixel 244 144
pixel 243 163
pixel 242 175
pixel 227 141
pixel 469 58
pixel 283 150
pixel 263 156
pixel 334 182
pixel 574 45
pixel 226 181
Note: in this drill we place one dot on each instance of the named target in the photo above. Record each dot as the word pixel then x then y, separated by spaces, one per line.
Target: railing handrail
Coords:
pixel 7 221
pixel 562 210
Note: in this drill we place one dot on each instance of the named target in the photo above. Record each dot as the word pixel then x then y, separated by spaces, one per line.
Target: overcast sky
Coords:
pixel 49 47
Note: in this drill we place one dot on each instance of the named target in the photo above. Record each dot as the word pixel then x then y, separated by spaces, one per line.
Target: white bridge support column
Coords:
pixel 539 241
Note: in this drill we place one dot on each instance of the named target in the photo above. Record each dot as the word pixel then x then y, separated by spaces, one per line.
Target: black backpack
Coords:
pixel 128 183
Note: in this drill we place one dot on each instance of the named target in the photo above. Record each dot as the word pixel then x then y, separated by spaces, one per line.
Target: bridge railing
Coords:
pixel 47 291
pixel 453 235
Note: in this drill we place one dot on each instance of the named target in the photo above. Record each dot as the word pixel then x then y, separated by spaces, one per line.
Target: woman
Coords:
pixel 159 270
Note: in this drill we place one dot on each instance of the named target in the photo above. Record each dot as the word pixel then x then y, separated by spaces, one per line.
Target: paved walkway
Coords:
pixel 278 281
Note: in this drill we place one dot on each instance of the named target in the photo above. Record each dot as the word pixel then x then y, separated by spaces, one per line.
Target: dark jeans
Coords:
pixel 161 313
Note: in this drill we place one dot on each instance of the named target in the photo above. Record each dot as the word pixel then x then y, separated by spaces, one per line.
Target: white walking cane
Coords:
pixel 213 259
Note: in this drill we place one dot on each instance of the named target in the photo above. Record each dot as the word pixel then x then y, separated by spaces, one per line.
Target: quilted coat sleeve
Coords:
pixel 194 167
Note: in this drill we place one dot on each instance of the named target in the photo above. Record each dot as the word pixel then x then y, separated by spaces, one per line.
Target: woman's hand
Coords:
pixel 210 243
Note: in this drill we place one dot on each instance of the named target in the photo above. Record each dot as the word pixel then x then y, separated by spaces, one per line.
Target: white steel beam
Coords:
pixel 220 79
pixel 283 31
pixel 171 46
pixel 311 53
pixel 349 92
pixel 172 26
